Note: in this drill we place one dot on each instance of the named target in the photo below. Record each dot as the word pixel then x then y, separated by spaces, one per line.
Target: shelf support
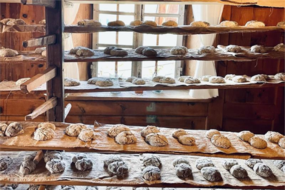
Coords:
pixel 38 80
pixel 40 41
pixel 67 110
pixel 46 3
pixel 49 104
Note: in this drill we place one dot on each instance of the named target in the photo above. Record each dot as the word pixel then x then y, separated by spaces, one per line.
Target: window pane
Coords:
pixel 150 8
pixel 167 40
pixel 125 69
pixel 108 7
pixel 149 39
pixel 127 19
pixel 152 18
pixel 160 20
pixel 106 69
pixel 148 68
pixel 107 37
pixel 125 38
pixel 105 18
pixel 127 8
pixel 166 68
pixel 174 9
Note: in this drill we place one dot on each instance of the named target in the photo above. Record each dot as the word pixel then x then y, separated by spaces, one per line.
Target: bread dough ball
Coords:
pixel 73 130
pixel 206 78
pixel 138 81
pixel 170 23
pixel 84 164
pixel 273 137
pixel 187 140
pixel 71 82
pixel 157 78
pixel 151 173
pixel 151 160
pixel 27 166
pixel 239 79
pixel 211 174
pixel 179 50
pixel 199 24
pixel 12 22
pixel 44 134
pixel 34 187
pixel 156 139
pixel 149 52
pixel 182 78
pixel 212 132
pixel 91 188
pixel 86 135
pixel 55 166
pixel 180 161
pixel 111 159
pixel 116 129
pixel 228 164
pixel 229 76
pixel 116 23
pixel 245 135
pixel 279 163
pixel 280 47
pixel 5 162
pixel 3 127
pixel 130 79
pixel 254 23
pixel 85 52
pixel 191 80
pixel 216 79
pixel 258 142
pixel 262 170
pixel 126 137
pixel 107 50
pixel 221 141
pixel 206 49
pixel 77 157
pixel 104 82
pixel 87 22
pixel 204 162
pixel 281 24
pixel 228 23
pixel 233 48
pixel 22 81
pixel 238 172
pixel 118 52
pixel 150 23
pixel 6 52
pixel 14 129
pixel 93 80
pixel 258 49
pixel 178 133
pixel 46 125
pixel 136 23
pixel 281 142
pixel 183 170
pixel 148 130
pixel 118 168
pixel 280 76
pixel 167 80
pixel 140 49
pixel 251 162
pixel 258 78
pixel 49 155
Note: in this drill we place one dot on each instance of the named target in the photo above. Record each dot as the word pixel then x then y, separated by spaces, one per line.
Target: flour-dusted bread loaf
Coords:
pixel 228 164
pixel 206 78
pixel 27 166
pixel 262 170
pixel 280 76
pixel 183 170
pixel 204 162
pixel 157 78
pixel 5 162
pixel 221 141
pixel 78 156
pixel 118 168
pixel 111 159
pixel 199 24
pixel 46 125
pixel 212 132
pixel 91 188
pixel 258 142
pixel 67 187
pixel 178 133
pixel 170 23
pixel 238 172
pixel 116 129
pixel 216 79
pixel 138 81
pixel 239 79
pixel 22 81
pixel 149 52
pixel 136 23
pixel 55 166
pixel 33 187
pixel 14 129
pixel 116 23
pixel 182 78
pixel 118 52
pixel 44 134
pixel 179 50
pixel 191 80
pixel 52 154
pixel 83 164
pixel 180 161
pixel 280 47
pixel 245 135
pixel 86 135
pixel 88 22
pixel 107 50
pixel 156 139
pixel 73 130
pixel 258 78
pixel 228 23
pixel 211 174
pixel 3 127
pixel 254 23
pixel 126 137
pixel 81 51
pixel 230 76
pixel 281 142
pixel 6 52
pixel 186 140
pixel 148 130
pixel 279 163
pixel 130 79
pixel 151 173
pixel 39 50
pixel 258 49
pixel 251 162
pixel 140 49
pixel 71 82
pixel 167 80
pixel 151 160
pixel 281 24
pixel 149 23
pixel 233 48
pixel 206 50
pixel 103 82
pixel 273 136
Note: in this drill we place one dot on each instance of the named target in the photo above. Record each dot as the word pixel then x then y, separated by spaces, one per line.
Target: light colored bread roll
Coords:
pixel 245 135
pixel 254 23
pixel 150 23
pixel 199 24
pixel 221 141
pixel 116 23
pixel 170 23
pixel 258 142
pixel 228 23
pixel 136 23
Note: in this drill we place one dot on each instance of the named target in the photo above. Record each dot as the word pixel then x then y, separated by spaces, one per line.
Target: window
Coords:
pixel 129 40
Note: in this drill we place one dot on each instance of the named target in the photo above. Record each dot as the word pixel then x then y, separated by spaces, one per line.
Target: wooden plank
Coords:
pixel 39 79
pixel 46 3
pixel 40 41
pixel 49 104
pixel 21 118
pixel 67 110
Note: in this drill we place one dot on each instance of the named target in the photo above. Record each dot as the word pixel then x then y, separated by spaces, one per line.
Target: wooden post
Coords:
pixel 54 26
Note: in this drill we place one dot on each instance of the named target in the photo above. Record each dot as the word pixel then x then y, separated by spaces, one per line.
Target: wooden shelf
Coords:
pixel 23 28
pixel 24 56
pixel 181 30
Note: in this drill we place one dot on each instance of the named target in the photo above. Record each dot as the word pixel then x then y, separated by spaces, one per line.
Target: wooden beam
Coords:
pixel 67 110
pixel 38 80
pixel 51 103
pixel 46 3
pixel 40 41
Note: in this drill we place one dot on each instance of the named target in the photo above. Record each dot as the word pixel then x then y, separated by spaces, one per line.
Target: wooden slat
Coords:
pixel 38 80
pixel 67 110
pixel 20 118
pixel 49 104
pixel 46 3
pixel 40 41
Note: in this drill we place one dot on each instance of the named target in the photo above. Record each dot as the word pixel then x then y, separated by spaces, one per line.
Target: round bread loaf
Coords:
pixel 126 137
pixel 216 79
pixel 179 50
pixel 148 130
pixel 281 142
pixel 273 137
pixel 111 159
pixel 183 170
pixel 167 80
pixel 156 139
pixel 180 161
pixel 186 140
pixel 262 170
pixel 233 48
pixel 178 133
pixel 228 23
pixel 83 164
pixel 49 155
pixel 151 173
pixel 206 50
pixel 211 174
pixel 44 134
pixel 116 23
pixel 199 24
pixel 73 130
pixel 136 23
pixel 210 133
pixel 251 162
pixel 221 141
pixel 150 23
pixel 245 135
pixel 55 166
pixel 228 164
pixel 151 160
pixel 258 142
pixel 238 172
pixel 170 23
pixel 116 129
pixel 86 135
pixel 204 162
pixel 258 49
pixel 14 129
pixel 254 23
